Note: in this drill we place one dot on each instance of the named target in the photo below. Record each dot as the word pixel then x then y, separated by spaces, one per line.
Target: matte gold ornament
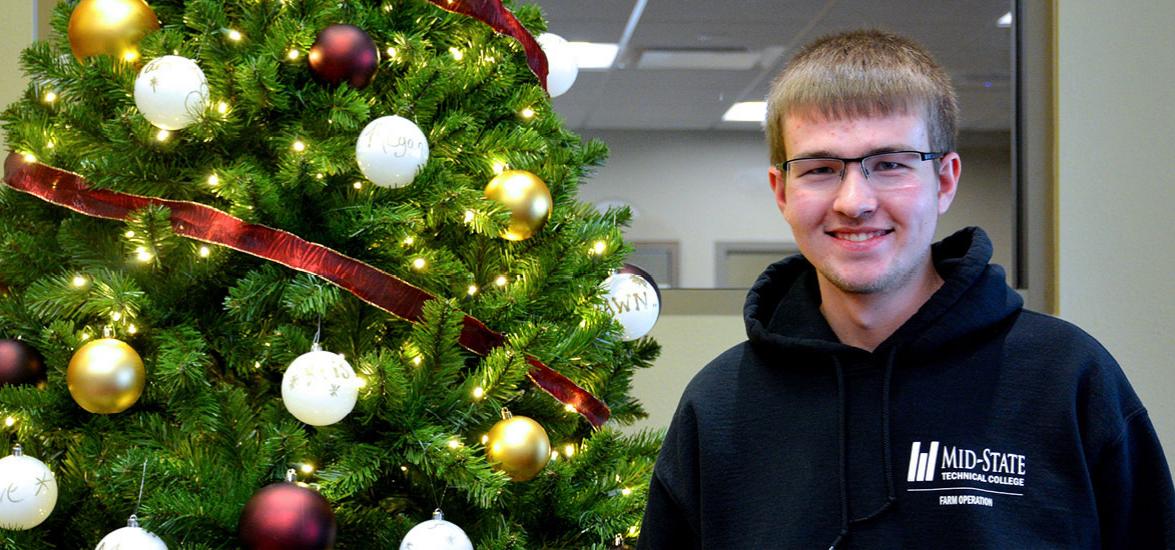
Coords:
pixel 528 199
pixel 106 376
pixel 112 27
pixel 518 447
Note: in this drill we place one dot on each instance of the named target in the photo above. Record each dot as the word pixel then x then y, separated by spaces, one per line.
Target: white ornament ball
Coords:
pixel 29 491
pixel 561 66
pixel 171 92
pixel 131 537
pixel 390 151
pixel 632 301
pixel 436 534
pixel 320 387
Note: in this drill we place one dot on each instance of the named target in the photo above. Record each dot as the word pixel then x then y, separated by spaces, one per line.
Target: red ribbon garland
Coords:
pixel 494 14
pixel 204 223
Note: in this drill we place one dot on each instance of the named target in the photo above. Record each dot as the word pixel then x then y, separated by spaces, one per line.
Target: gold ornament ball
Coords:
pixel 112 27
pixel 528 199
pixel 518 447
pixel 106 376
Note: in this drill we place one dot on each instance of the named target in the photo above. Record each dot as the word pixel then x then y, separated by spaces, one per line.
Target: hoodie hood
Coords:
pixel 783 306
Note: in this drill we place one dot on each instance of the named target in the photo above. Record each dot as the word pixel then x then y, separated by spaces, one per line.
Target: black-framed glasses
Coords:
pixel 883 170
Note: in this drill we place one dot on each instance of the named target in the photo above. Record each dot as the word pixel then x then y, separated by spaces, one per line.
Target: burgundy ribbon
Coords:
pixel 204 223
pixel 494 14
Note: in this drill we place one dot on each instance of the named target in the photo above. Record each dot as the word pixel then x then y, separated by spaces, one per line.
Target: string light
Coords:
pixel 454 444
pixel 214 180
pixel 361 382
pixel 500 166
pixel 569 408
pixel 409 240
pixel 599 247
pixel 569 450
pixel 132 329
pixel 554 456
pixel 299 146
pixel 457 54
pixel 468 216
pixel 471 290
pixel 319 175
pixel 417 360
pixel 204 251
pixel 116 316
pixel 80 281
pixel 222 107
pixel 308 468
pixel 256 364
pixel 143 255
pixel 162 135
pixel 479 392
pixel 50 144
pixel 50 96
pixel 357 185
pixel 501 280
pixel 29 157
pixel 10 421
pixel 235 35
pixel 391 52
pixel 627 491
pixel 130 56
pixel 404 469
pixel 526 113
pixel 293 54
pixel 419 264
pixel 485 438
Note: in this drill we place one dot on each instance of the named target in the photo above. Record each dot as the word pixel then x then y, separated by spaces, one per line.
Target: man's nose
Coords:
pixel 855 197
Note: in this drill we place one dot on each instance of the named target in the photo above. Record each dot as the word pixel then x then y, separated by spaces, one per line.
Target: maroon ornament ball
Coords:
pixel 20 364
pixel 287 516
pixel 344 53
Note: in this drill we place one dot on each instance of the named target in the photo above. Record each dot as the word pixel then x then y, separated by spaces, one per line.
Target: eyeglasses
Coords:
pixel 883 170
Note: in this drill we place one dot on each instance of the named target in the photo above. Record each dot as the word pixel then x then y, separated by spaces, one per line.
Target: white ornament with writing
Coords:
pixel 28 491
pixel 436 534
pixel 632 301
pixel 171 92
pixel 390 151
pixel 131 537
pixel 562 69
pixel 320 387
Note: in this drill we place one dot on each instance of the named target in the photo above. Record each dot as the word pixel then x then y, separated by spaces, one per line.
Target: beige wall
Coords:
pixel 1116 139
pixel 17 28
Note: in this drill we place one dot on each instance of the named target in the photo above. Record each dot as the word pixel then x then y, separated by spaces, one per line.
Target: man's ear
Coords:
pixel 949 169
pixel 778 187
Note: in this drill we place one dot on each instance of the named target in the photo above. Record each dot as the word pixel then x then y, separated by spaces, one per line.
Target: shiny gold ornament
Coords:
pixel 518 447
pixel 106 376
pixel 112 27
pixel 528 199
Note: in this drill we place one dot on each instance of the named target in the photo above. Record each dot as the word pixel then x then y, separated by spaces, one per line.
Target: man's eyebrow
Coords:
pixel 822 153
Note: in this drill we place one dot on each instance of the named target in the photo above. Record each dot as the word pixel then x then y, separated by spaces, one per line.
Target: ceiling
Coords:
pixel 962 34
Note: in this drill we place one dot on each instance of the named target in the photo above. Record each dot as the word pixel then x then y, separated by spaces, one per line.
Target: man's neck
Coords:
pixel 866 320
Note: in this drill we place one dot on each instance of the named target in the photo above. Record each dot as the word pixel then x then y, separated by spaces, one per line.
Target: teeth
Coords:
pixel 858 237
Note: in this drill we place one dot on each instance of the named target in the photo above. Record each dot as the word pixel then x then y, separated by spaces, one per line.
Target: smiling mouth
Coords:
pixel 860 236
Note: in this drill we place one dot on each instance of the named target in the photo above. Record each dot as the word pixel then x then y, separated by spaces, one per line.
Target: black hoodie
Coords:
pixel 977 424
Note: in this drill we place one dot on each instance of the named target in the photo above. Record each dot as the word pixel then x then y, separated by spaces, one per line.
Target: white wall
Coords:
pixel 700 188
pixel 1116 140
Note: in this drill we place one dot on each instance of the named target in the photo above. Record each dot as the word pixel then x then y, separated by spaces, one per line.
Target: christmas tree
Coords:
pixel 338 237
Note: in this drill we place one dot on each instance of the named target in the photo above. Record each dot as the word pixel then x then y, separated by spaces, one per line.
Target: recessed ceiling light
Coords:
pixel 1005 21
pixel 746 111
pixel 593 55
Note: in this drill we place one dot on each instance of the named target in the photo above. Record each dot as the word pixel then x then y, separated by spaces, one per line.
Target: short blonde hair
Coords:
pixel 860 74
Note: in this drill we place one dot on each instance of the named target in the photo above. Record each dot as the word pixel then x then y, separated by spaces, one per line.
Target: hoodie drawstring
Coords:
pixel 886 446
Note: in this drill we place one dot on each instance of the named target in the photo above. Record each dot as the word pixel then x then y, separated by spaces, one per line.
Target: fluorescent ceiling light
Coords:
pixel 593 55
pixel 694 59
pixel 746 111
pixel 1005 21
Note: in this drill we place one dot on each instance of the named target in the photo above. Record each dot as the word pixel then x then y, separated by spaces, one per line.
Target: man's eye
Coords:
pixel 890 165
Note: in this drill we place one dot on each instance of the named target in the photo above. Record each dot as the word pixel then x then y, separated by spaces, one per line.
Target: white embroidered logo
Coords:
pixel 922 464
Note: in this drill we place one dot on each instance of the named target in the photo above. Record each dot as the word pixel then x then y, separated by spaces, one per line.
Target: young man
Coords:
pixel 892 392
